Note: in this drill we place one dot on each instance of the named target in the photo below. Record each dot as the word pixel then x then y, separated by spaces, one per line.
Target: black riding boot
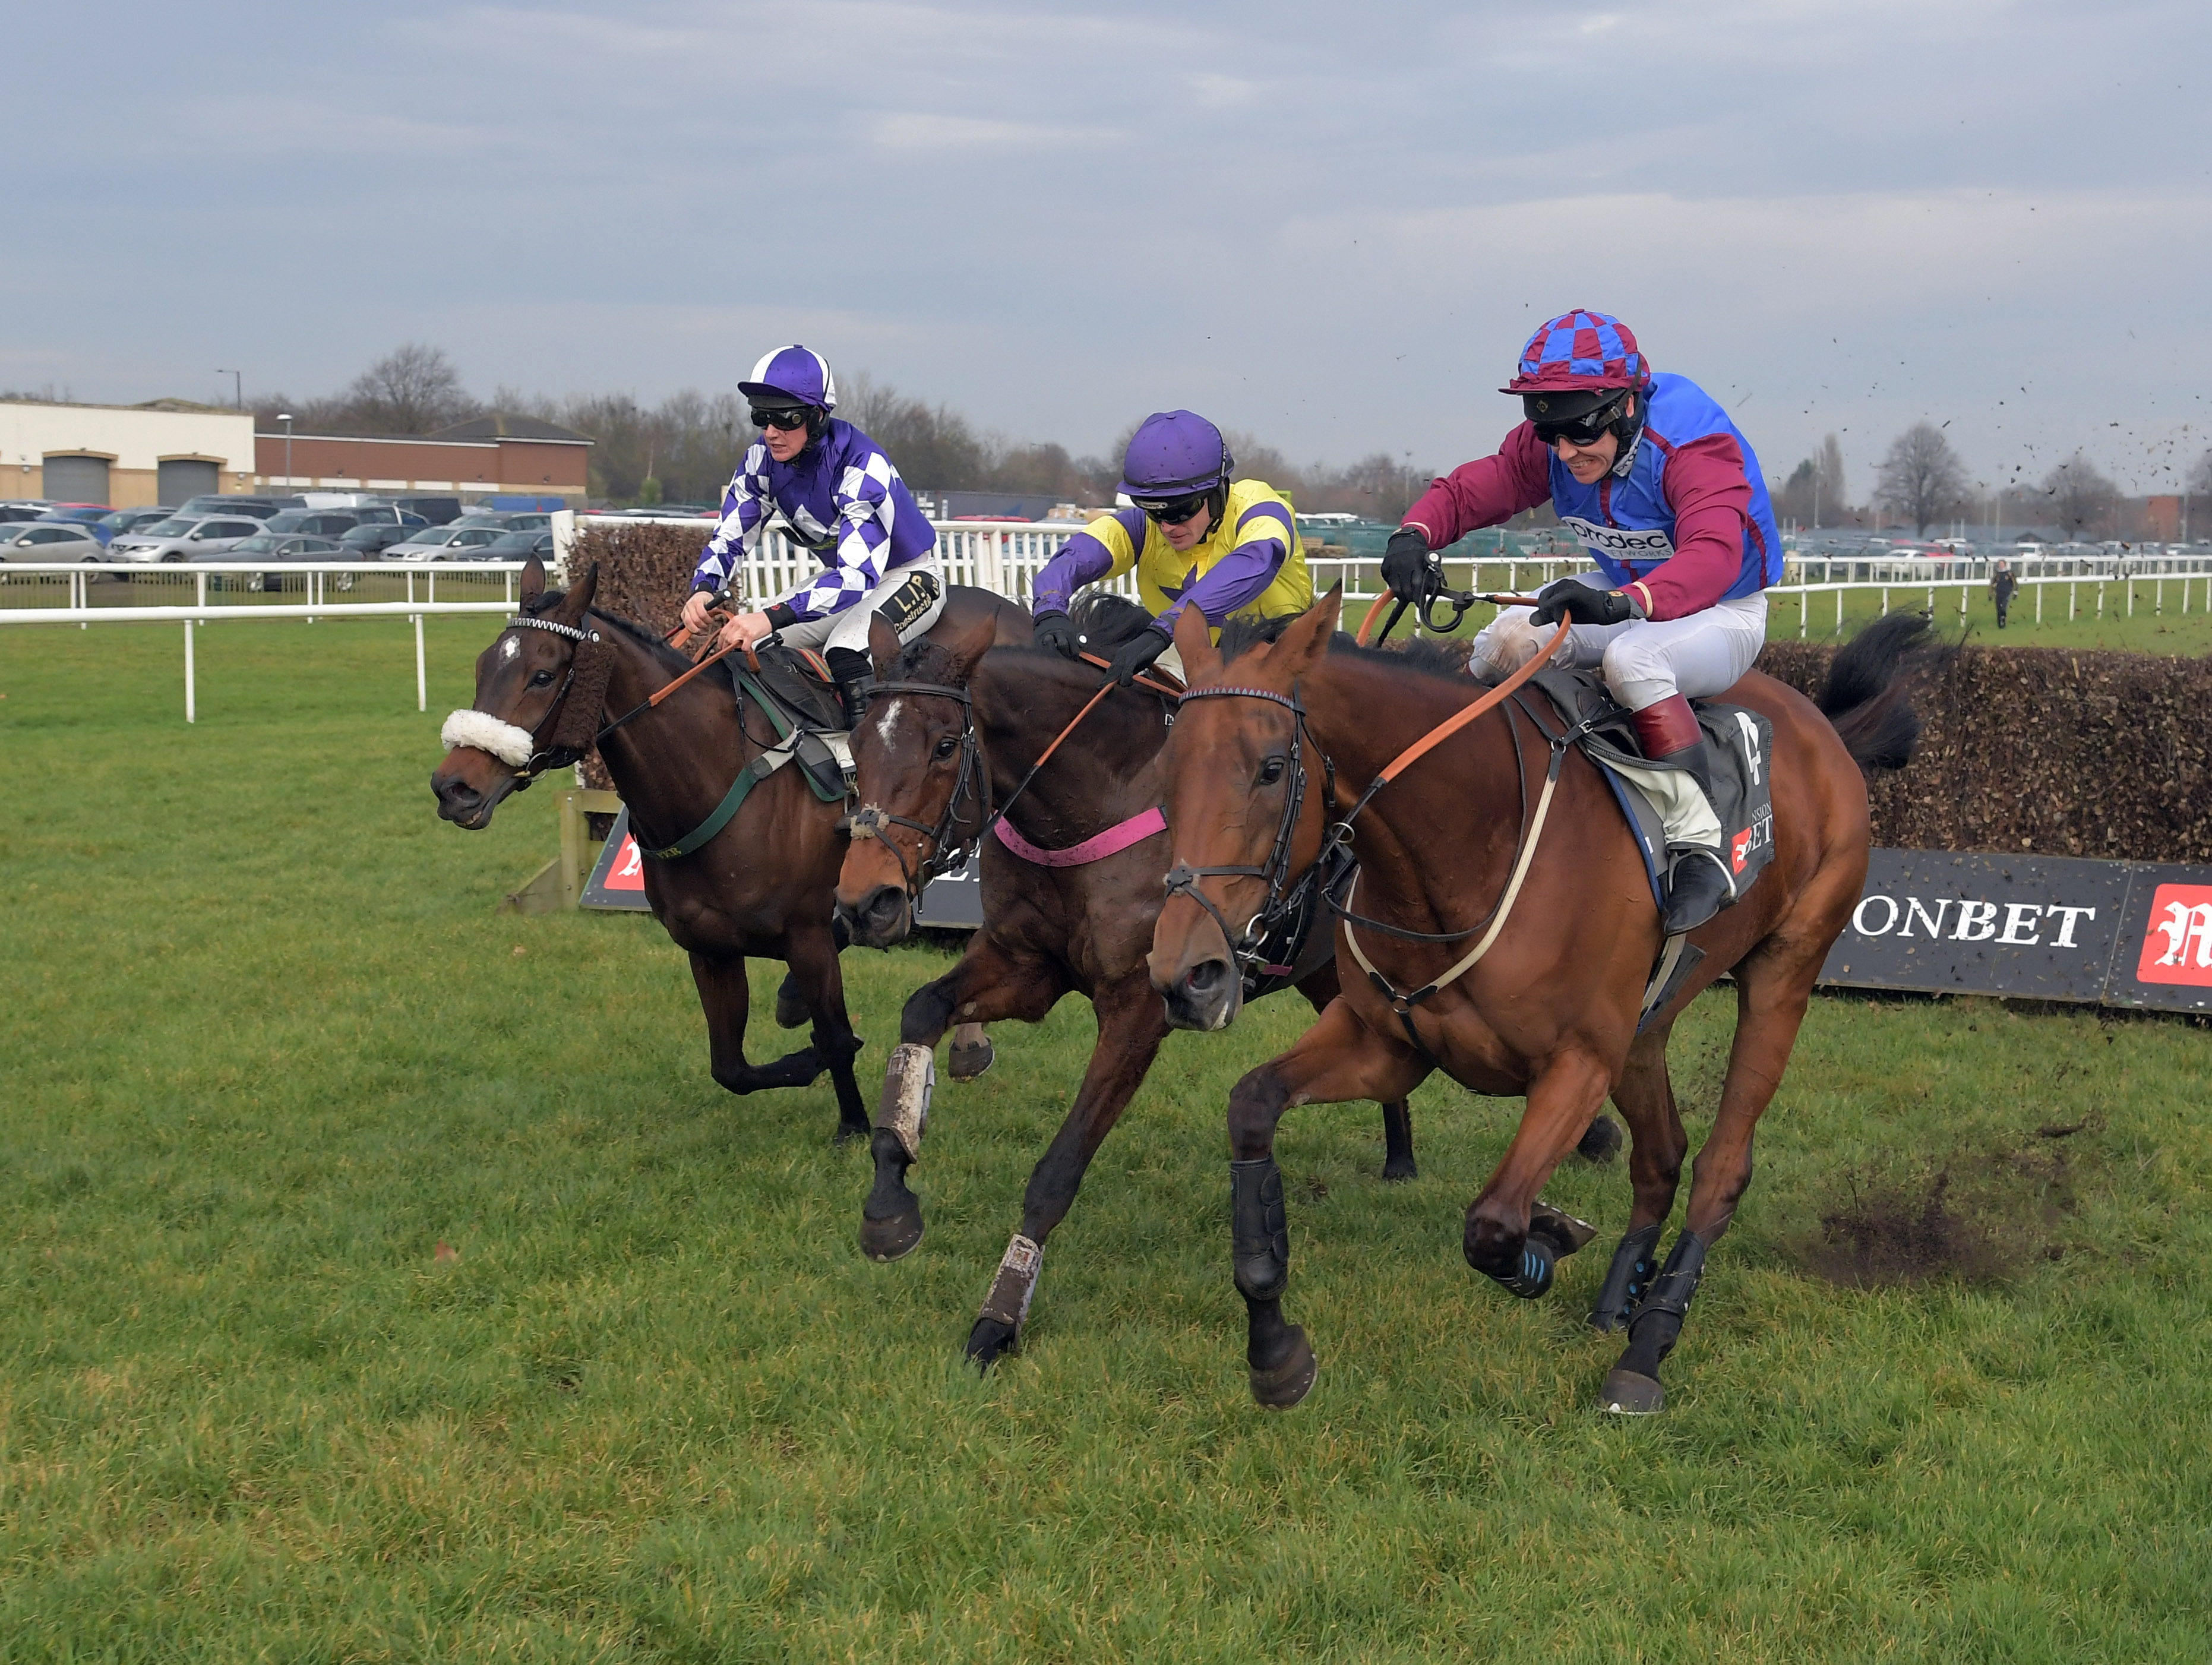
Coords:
pixel 854 673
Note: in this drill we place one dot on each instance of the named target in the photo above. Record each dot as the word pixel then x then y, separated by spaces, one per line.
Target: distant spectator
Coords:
pixel 2001 586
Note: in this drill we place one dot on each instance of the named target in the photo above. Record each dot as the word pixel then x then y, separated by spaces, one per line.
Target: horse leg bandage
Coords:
pixel 1011 1290
pixel 909 1081
pixel 1260 1230
pixel 486 732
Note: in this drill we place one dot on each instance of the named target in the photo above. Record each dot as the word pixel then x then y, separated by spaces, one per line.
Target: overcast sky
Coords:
pixel 1330 225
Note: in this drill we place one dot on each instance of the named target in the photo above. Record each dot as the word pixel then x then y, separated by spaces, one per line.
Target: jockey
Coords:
pixel 842 498
pixel 1664 492
pixel 1193 537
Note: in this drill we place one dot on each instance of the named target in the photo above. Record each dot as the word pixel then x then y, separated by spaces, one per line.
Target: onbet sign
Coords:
pixel 2177 946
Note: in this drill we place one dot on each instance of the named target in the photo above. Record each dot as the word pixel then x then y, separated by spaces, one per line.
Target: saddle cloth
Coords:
pixel 1740 742
pixel 793 686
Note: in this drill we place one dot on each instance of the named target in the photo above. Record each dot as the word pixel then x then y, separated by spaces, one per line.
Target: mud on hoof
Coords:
pixel 967 1062
pixel 992 1340
pixel 790 1005
pixel 891 1238
pixel 1280 1386
pixel 1627 1394
pixel 1601 1141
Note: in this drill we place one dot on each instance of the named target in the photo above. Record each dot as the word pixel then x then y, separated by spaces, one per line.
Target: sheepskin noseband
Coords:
pixel 486 732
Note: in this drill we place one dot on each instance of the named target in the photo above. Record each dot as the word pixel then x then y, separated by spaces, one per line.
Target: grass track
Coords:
pixel 264 1046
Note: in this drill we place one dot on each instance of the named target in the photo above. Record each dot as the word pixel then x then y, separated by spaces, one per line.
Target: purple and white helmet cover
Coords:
pixel 794 373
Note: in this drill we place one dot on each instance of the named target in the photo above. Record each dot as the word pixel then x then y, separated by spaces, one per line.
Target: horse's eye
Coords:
pixel 541 679
pixel 1270 772
pixel 946 747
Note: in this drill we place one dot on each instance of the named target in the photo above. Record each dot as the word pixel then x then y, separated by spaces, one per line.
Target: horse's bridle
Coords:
pixel 558 756
pixel 949 853
pixel 1284 901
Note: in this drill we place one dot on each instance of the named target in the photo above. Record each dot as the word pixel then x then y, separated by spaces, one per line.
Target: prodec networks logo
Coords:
pixel 2177 945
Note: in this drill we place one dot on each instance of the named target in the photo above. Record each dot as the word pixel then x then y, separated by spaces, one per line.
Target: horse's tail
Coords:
pixel 1867 697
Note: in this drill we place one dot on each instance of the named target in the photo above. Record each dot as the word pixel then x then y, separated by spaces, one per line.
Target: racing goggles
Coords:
pixel 790 418
pixel 1177 511
pixel 1582 430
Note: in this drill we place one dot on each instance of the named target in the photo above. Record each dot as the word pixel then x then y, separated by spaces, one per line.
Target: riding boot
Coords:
pixel 854 673
pixel 1698 886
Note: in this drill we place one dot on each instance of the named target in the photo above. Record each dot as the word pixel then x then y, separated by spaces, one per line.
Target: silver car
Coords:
pixel 184 537
pixel 50 541
pixel 266 546
pixel 454 543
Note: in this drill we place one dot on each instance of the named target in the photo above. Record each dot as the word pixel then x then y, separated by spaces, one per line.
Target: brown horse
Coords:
pixel 953 730
pixel 1551 1012
pixel 761 885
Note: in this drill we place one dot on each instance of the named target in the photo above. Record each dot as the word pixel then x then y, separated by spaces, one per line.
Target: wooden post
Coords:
pixel 572 849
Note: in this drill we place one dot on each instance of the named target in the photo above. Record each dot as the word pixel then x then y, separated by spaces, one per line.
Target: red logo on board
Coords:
pixel 2177 942
pixel 629 872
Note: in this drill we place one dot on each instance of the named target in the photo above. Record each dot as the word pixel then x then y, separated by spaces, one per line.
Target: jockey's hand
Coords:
pixel 1057 632
pixel 744 630
pixel 1410 569
pixel 1569 597
pixel 1139 651
pixel 696 607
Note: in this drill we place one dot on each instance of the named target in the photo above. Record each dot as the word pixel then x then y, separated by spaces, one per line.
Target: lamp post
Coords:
pixel 285 416
pixel 237 386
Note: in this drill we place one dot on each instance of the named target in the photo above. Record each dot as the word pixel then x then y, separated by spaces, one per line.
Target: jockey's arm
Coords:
pixel 1486 492
pixel 744 512
pixel 1710 494
pixel 863 548
pixel 1103 549
pixel 1239 578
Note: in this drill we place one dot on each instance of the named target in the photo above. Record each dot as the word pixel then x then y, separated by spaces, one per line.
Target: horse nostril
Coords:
pixel 1206 976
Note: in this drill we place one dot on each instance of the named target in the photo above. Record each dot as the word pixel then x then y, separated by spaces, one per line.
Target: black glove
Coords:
pixel 1570 598
pixel 1139 650
pixel 1411 573
pixel 1057 632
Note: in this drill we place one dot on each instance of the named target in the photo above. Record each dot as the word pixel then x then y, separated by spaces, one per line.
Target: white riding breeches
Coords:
pixel 1643 661
pixel 908 611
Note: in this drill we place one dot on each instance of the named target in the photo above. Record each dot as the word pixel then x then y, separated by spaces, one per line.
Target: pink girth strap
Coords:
pixel 1112 841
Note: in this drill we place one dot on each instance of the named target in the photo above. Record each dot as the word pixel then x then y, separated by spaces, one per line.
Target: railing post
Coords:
pixel 192 709
pixel 422 683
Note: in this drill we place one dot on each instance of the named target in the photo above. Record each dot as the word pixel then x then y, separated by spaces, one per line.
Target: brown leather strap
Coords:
pixel 1452 725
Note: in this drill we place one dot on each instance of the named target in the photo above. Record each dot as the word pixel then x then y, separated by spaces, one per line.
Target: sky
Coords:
pixel 1330 226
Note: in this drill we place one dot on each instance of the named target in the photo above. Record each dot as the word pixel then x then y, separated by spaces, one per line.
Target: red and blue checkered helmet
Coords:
pixel 1580 352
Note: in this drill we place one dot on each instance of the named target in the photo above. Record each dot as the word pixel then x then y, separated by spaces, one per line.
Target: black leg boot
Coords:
pixel 854 673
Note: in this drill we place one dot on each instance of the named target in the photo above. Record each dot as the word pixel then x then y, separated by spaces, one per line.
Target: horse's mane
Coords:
pixel 643 635
pixel 1423 655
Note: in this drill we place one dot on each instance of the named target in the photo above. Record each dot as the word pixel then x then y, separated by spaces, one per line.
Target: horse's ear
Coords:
pixel 578 602
pixel 883 646
pixel 533 582
pixel 979 639
pixel 1194 640
pixel 1297 648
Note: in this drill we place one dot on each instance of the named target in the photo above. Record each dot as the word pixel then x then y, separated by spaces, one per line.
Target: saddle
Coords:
pixel 795 688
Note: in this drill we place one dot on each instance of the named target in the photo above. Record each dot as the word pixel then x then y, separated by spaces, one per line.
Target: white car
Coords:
pixel 48 541
pixel 184 537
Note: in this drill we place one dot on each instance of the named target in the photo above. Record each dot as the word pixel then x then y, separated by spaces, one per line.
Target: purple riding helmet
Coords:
pixel 1178 454
pixel 794 376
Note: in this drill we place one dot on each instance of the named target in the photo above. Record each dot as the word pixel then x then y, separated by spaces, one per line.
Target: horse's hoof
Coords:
pixel 849 1133
pixel 967 1062
pixel 1627 1394
pixel 1279 1388
pixel 790 1005
pixel 1601 1141
pixel 892 1239
pixel 1398 1169
pixel 992 1340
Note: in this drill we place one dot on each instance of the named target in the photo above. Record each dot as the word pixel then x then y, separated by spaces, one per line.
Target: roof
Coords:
pixel 501 425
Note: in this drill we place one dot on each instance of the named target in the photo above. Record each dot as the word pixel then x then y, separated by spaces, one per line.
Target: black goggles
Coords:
pixel 1181 509
pixel 1583 430
pixel 789 417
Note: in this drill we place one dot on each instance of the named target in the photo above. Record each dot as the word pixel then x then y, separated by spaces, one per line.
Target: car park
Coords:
pixel 278 546
pixel 519 546
pixel 42 540
pixel 183 537
pixel 369 542
pixel 453 543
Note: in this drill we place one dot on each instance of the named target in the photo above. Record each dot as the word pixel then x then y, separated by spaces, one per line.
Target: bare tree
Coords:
pixel 2081 498
pixel 1921 477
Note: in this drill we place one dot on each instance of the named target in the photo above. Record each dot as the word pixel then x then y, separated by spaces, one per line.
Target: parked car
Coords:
pixel 279 546
pixel 437 511
pixel 15 514
pixel 122 521
pixel 184 537
pixel 261 509
pixel 316 522
pixel 518 546
pixel 369 542
pixel 453 543
pixel 43 540
pixel 383 514
pixel 91 516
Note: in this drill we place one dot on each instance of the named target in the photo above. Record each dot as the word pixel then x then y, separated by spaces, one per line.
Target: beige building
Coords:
pixel 127 456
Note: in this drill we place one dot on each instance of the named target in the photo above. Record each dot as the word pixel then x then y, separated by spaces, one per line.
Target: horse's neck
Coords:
pixel 674 763
pixel 1445 831
pixel 1112 763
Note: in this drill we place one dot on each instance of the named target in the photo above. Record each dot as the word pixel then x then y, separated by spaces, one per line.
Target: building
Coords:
pixel 127 456
pixel 497 455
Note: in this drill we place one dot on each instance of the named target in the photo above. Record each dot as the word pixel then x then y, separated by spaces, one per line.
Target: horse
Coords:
pixel 763 883
pixel 954 729
pixel 1551 1009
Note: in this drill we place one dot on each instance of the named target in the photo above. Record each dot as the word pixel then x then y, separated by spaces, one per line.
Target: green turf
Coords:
pixel 264 1047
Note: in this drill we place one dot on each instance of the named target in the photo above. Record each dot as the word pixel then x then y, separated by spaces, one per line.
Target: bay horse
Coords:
pixel 1552 1010
pixel 763 883
pixel 955 725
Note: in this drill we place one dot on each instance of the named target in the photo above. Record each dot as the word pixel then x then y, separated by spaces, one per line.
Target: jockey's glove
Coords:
pixel 1057 632
pixel 1413 571
pixel 1569 597
pixel 1139 651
